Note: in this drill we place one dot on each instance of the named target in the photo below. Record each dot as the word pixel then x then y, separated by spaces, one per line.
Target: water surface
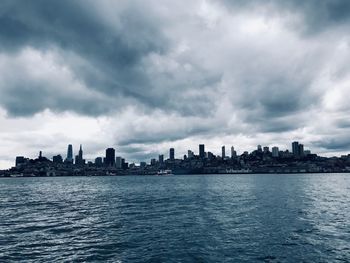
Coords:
pixel 200 218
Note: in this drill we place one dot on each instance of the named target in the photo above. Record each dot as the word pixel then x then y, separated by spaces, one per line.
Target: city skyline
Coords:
pixel 112 158
pixel 145 76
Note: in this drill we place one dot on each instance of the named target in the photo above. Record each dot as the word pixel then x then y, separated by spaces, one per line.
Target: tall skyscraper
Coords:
pixel 79 158
pixel 172 154
pixel 259 148
pixel 190 154
pixel 81 153
pixel 275 152
pixel 223 154
pixel 266 149
pixel 118 162
pixel 70 154
pixel 295 148
pixel 233 152
pixel 110 157
pixel 301 150
pixel 201 151
pixel 161 158
pixel 99 161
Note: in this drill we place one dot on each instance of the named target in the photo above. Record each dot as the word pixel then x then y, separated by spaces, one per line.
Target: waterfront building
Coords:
pixel 110 157
pixel 201 151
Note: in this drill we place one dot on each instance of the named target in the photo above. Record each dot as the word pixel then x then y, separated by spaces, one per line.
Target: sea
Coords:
pixel 178 218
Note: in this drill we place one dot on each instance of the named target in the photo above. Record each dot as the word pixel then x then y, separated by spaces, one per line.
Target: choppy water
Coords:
pixel 207 218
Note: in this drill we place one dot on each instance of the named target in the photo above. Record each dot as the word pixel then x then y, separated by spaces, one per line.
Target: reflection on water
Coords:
pixel 204 218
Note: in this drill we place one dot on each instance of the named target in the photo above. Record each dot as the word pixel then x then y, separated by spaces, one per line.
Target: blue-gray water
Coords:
pixel 207 218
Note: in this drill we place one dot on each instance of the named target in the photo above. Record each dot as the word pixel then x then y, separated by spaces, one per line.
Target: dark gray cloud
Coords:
pixel 112 55
pixel 161 73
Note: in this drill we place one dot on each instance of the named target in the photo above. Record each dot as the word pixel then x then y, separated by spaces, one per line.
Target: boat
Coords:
pixel 164 172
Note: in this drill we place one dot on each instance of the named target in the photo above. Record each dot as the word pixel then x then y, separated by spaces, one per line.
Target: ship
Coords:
pixel 164 172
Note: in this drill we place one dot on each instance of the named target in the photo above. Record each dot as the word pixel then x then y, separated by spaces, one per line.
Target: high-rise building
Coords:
pixel 110 157
pixel 57 159
pixel 233 152
pixel 118 162
pixel 190 154
pixel 259 148
pixel 20 160
pixel 161 159
pixel 223 154
pixel 172 154
pixel 69 154
pixel 99 161
pixel 301 150
pixel 266 149
pixel 275 151
pixel 79 158
pixel 201 151
pixel 210 156
pixel 153 161
pixel 295 148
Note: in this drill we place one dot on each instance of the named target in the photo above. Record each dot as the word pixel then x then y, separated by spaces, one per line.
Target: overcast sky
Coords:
pixel 144 76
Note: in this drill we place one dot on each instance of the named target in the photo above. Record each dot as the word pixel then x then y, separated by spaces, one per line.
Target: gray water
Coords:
pixel 204 218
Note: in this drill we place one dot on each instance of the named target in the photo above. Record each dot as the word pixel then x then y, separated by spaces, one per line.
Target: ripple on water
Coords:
pixel 212 218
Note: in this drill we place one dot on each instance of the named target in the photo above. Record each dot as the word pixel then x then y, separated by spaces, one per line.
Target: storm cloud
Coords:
pixel 149 75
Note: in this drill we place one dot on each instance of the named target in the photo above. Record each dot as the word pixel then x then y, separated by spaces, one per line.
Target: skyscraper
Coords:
pixel 275 152
pixel 79 158
pixel 223 154
pixel 266 149
pixel 201 151
pixel 110 157
pixel 295 148
pixel 233 152
pixel 301 150
pixel 172 154
pixel 69 154
pixel 118 162
pixel 161 158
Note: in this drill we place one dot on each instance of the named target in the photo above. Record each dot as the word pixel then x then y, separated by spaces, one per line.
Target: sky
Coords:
pixel 142 76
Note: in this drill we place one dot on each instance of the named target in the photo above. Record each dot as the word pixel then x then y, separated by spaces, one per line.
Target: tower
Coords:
pixel 295 148
pixel 70 154
pixel 223 154
pixel 201 151
pixel 172 154
pixel 110 157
